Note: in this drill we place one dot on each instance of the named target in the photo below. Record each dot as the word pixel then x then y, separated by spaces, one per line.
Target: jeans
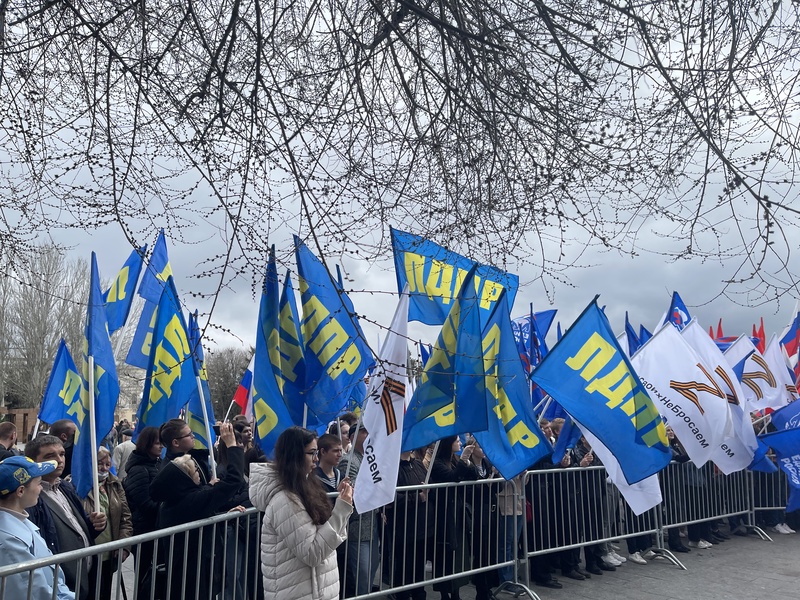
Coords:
pixel 509 541
pixel 362 565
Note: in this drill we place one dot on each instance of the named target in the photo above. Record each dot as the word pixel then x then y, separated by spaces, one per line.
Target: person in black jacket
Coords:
pixel 141 469
pixel 450 538
pixel 178 439
pixel 185 499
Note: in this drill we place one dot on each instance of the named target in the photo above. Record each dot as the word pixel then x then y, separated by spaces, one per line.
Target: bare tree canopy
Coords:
pixel 507 130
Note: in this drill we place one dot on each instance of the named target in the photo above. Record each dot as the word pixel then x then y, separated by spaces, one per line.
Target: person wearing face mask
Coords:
pixel 114 505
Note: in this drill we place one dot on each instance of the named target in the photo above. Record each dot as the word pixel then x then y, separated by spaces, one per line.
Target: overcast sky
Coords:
pixel 642 285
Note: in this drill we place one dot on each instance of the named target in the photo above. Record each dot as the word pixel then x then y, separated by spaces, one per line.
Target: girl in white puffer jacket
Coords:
pixel 300 531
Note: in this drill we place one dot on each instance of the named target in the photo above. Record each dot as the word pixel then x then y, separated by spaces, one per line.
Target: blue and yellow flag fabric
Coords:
pixel 169 382
pixel 434 276
pixel 62 396
pixel 336 352
pixel 139 352
pixel 194 409
pixel 119 296
pixel 513 440
pixel 104 381
pixel 451 396
pixel 590 376
pixel 157 272
pixel 271 414
pixel 291 368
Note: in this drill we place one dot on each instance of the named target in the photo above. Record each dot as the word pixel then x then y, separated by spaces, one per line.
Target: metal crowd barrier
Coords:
pixel 487 532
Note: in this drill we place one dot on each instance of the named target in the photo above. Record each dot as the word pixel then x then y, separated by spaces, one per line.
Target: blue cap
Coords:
pixel 19 470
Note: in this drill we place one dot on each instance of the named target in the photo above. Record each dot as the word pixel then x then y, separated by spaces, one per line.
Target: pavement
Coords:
pixel 746 568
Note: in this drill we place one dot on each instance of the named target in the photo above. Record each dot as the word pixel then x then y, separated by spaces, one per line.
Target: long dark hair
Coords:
pixel 147 437
pixel 290 460
pixel 445 450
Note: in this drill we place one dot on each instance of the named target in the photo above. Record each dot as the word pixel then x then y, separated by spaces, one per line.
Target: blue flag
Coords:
pixel 194 409
pixel 119 296
pixel 271 414
pixel 633 340
pixel 590 376
pixel 169 382
pixel 336 352
pixel 424 352
pixel 454 374
pixel 103 378
pixel 157 272
pixel 62 396
pixel 761 461
pixel 434 276
pixel 787 417
pixel 678 314
pixel 513 440
pixel 291 370
pixel 139 352
pixel 786 445
pixel 644 335
pixel 567 439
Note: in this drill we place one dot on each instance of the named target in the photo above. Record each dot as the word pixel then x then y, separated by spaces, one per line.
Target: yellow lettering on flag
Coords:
pixel 117 291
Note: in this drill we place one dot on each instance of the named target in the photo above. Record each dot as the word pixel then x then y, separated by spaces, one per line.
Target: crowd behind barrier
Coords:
pixel 486 532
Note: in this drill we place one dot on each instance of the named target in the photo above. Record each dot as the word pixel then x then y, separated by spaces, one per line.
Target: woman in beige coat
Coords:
pixel 301 530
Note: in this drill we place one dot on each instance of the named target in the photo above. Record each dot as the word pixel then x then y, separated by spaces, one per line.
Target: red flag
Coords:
pixel 762 339
pixel 719 329
pixel 711 331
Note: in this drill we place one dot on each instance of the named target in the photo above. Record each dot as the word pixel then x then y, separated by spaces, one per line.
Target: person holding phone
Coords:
pixel 300 530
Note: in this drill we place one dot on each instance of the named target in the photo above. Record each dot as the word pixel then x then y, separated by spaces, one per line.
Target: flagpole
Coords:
pixel 93 434
pixel 227 414
pixel 430 464
pixel 36 428
pixel 212 463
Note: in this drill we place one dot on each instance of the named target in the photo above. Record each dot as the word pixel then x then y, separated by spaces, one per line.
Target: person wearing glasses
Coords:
pixel 300 530
pixel 178 439
pixel 185 498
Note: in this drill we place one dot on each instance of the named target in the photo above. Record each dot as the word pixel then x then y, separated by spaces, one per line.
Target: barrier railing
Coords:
pixel 490 532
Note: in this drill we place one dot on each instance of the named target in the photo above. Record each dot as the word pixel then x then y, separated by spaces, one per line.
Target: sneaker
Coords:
pixel 787 528
pixel 637 558
pixel 649 555
pixel 702 545
pixel 610 559
pixel 619 558
pixel 780 528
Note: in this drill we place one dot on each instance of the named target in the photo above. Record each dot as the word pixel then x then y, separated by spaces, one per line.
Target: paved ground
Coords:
pixel 742 568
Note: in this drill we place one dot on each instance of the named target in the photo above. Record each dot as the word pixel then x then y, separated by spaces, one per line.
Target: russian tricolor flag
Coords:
pixel 244 393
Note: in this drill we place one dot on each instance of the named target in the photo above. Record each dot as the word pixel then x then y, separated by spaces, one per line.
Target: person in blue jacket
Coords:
pixel 20 486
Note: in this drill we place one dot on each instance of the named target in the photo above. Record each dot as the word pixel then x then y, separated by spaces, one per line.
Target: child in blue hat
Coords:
pixel 20 486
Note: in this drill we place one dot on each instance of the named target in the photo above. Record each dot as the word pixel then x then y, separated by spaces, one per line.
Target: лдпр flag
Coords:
pixel 513 440
pixel 292 371
pixel 62 396
pixel 271 415
pixel 103 379
pixel 337 355
pixel 119 296
pixel 170 380
pixel 383 417
pixel 434 276
pixel 196 416
pixel 454 374
pixel 590 376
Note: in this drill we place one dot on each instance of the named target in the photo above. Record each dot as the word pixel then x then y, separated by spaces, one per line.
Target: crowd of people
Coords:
pixel 311 542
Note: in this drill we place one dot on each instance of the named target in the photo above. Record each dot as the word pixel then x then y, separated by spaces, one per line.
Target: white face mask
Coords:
pixel 102 476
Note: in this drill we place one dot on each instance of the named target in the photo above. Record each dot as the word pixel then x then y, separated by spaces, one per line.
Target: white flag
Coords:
pixel 738 444
pixel 758 381
pixel 684 392
pixel 642 495
pixel 776 359
pixel 384 409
